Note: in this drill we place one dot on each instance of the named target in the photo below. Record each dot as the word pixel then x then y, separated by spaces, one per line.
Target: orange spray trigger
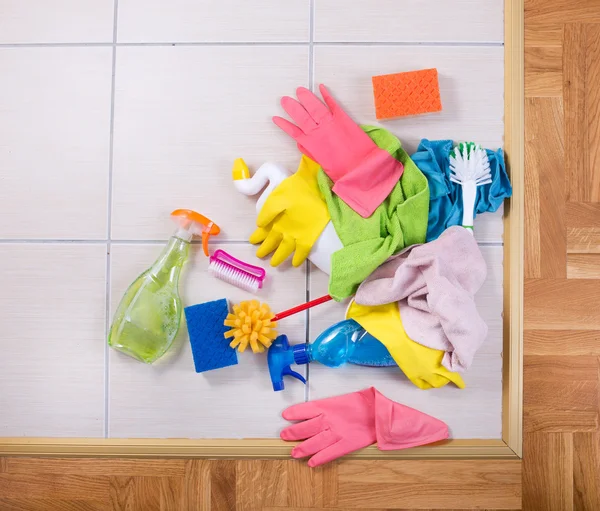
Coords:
pixel 192 224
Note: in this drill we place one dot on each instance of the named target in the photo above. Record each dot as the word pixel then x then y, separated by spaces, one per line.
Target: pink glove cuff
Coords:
pixel 366 186
pixel 401 427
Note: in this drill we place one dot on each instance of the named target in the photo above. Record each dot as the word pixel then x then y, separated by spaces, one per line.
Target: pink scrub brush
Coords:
pixel 238 273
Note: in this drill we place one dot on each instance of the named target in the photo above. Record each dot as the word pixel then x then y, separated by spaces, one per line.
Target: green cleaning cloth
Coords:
pixel 400 221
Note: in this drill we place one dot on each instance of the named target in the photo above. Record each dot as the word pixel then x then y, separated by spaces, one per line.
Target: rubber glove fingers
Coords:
pixel 301 412
pixel 274 207
pixel 299 115
pixel 292 217
pixel 333 426
pixel 329 101
pixel 303 430
pixel 284 250
pixel 319 447
pixel 270 243
pixel 313 105
pixel 291 129
pixel 301 254
pixel 307 112
pixel 259 235
pixel 330 453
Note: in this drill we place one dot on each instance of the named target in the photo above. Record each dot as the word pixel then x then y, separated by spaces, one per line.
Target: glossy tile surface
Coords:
pixel 115 113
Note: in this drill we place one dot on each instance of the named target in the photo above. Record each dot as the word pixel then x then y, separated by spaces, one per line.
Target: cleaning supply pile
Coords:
pixel 393 232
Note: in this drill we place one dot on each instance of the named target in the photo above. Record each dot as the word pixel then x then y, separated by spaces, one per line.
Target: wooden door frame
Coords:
pixel 509 447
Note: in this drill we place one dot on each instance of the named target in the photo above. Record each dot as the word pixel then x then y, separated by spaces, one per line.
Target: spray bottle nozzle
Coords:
pixel 194 224
pixel 279 358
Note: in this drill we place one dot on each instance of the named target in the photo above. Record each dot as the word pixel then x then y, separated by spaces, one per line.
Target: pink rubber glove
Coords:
pixel 340 425
pixel 364 174
pixel 331 427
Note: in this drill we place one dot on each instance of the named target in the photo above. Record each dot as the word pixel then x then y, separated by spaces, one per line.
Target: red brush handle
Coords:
pixel 300 308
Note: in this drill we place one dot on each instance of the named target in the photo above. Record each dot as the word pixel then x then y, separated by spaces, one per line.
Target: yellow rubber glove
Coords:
pixel 422 365
pixel 293 217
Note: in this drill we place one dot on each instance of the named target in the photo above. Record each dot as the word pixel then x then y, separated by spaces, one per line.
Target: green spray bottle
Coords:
pixel 149 314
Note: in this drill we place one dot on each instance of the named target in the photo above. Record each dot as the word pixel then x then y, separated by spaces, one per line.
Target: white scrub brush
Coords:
pixel 470 168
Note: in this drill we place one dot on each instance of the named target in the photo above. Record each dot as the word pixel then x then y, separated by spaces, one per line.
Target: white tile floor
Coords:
pixel 115 112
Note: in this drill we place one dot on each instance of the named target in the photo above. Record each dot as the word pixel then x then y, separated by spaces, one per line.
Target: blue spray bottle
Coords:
pixel 345 341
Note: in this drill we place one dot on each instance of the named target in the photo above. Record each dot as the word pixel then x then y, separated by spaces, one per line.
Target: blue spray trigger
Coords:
pixel 288 372
pixel 279 358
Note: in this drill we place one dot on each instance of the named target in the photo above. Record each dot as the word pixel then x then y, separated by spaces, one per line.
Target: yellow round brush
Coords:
pixel 253 323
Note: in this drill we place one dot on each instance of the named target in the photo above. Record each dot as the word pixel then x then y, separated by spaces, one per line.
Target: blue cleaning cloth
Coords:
pixel 445 204
pixel 205 327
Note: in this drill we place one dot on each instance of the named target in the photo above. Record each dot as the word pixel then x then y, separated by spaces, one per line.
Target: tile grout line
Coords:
pixel 109 221
pixel 307 329
pixel 311 61
pixel 466 44
pixel 33 241
pixel 82 241
pixel 311 45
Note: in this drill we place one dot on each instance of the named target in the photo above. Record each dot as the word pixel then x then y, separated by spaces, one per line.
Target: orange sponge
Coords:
pixel 410 93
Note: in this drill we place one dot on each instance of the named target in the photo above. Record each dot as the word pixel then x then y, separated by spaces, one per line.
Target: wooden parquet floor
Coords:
pixel 561 466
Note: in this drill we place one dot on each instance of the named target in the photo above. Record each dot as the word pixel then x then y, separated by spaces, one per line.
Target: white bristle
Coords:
pixel 234 276
pixel 471 165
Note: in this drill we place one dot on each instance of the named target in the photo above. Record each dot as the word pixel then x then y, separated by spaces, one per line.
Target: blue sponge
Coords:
pixel 205 327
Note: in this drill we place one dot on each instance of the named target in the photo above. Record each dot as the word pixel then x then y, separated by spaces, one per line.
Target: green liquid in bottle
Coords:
pixel 148 317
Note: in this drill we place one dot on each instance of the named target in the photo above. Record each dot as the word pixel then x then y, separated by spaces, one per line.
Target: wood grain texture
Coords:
pixel 562 323
pixel 548 471
pixel 561 11
pixel 383 484
pixel 130 493
pixel 38 485
pixel 543 77
pixel 562 342
pixel 223 478
pixel 196 485
pixel 543 35
pixel 583 240
pixel 545 248
pixel 260 485
pixel 591 186
pixel 576 157
pixel 586 470
pixel 581 54
pixel 532 250
pixel 561 393
pixel 561 304
pixel 583 233
pixel 583 266
pixel 583 215
pixel 23 504
pixel 99 467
